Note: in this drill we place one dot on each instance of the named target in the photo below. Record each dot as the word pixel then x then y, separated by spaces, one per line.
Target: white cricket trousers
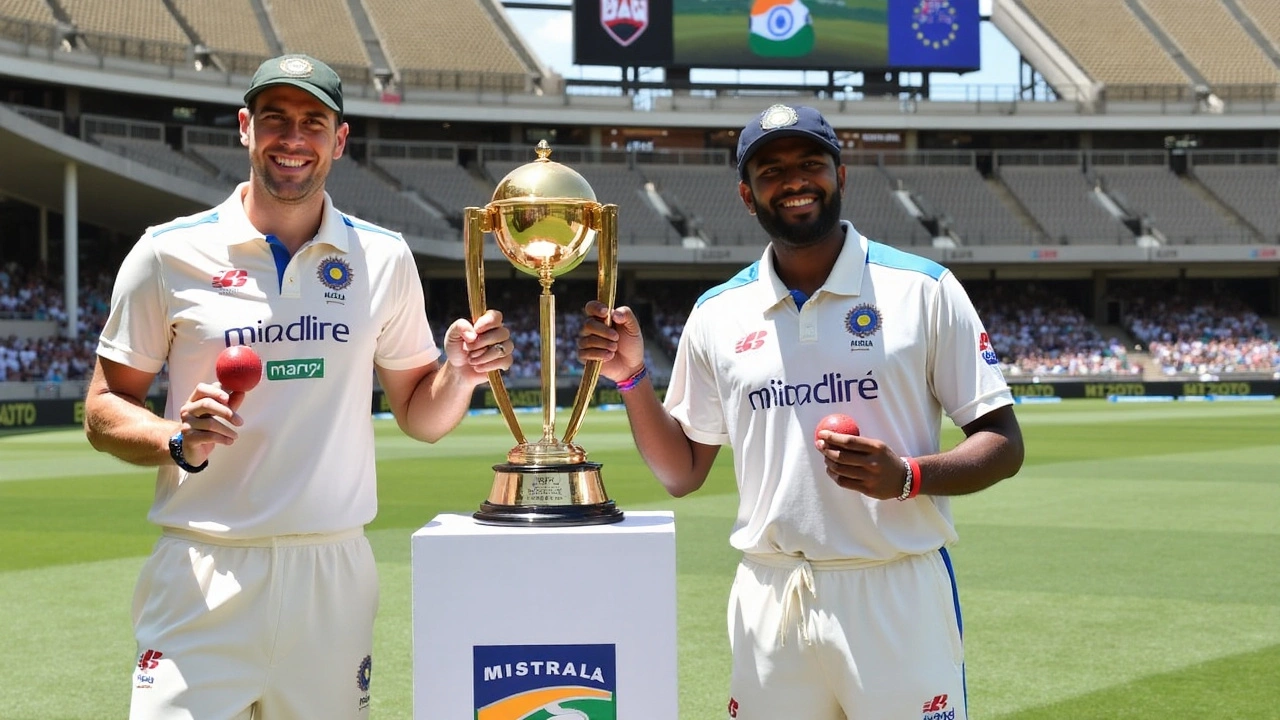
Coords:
pixel 841 640
pixel 269 629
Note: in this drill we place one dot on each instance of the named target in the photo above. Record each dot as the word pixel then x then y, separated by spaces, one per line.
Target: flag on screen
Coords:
pixel 781 28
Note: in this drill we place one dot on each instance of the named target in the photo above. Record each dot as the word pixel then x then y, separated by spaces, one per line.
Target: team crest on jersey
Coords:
pixel 532 682
pixel 862 322
pixel 364 674
pixel 624 20
pixel 335 274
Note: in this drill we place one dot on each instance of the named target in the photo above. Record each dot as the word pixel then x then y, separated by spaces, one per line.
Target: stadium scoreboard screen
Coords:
pixel 908 35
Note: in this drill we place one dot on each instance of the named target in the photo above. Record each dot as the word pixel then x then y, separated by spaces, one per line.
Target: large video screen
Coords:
pixel 935 35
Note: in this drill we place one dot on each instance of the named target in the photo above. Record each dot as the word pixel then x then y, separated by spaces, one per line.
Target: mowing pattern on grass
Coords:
pixel 1129 571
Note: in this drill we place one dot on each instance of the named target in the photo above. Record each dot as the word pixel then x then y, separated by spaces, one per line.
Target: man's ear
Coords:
pixel 744 192
pixel 245 119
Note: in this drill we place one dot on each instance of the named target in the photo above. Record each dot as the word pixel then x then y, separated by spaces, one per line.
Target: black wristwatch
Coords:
pixel 175 452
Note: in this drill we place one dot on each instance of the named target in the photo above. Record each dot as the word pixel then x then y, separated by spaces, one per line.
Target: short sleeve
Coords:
pixel 693 397
pixel 406 340
pixel 964 370
pixel 138 332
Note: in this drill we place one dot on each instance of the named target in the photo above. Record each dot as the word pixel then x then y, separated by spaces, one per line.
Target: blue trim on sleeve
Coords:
pixel 891 257
pixel 746 276
pixel 210 217
pixel 362 225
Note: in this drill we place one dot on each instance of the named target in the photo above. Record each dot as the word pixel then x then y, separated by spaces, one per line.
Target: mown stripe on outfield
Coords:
pixel 1142 565
pixel 1029 650
pixel 1222 689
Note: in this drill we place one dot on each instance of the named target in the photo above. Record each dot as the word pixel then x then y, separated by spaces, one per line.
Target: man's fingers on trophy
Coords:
pixel 489 320
pixel 597 309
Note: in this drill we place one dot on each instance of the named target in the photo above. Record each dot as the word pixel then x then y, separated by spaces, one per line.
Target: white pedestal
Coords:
pixel 507 620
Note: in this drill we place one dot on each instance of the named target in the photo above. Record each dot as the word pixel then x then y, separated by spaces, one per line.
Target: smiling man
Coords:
pixel 259 597
pixel 844 604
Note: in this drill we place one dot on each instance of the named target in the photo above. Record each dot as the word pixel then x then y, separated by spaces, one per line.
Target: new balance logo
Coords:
pixel 150 659
pixel 230 278
pixel 936 709
pixel 753 341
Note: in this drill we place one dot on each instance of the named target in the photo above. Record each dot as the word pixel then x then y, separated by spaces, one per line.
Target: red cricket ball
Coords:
pixel 239 368
pixel 837 423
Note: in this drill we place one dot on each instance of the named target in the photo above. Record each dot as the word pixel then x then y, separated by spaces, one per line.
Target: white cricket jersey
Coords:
pixel 349 298
pixel 890 339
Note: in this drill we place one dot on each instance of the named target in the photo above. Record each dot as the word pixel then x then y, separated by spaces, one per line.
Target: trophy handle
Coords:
pixel 477 222
pixel 606 293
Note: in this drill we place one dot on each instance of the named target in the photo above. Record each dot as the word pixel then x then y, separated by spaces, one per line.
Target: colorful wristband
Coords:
pixel 911 484
pixel 630 383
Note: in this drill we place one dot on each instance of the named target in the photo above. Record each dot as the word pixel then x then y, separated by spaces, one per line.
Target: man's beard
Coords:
pixel 804 234
pixel 290 191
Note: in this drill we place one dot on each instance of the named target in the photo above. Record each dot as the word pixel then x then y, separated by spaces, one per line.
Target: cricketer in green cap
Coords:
pixel 300 71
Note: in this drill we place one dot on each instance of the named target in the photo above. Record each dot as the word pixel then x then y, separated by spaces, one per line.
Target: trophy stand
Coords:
pixel 545 219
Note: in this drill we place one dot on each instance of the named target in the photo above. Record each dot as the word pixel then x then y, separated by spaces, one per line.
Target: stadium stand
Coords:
pixel 707 198
pixel 143 142
pixel 1265 15
pixel 1169 204
pixel 1053 188
pixel 111 28
pixel 325 29
pixel 430 55
pixel 228 28
pixel 1037 332
pixel 36 11
pixel 1247 182
pixel 1111 44
pixel 870 203
pixel 449 186
pixel 1208 336
pixel 966 202
pixel 1216 44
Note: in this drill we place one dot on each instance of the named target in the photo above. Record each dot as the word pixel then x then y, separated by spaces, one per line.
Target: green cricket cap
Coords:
pixel 300 71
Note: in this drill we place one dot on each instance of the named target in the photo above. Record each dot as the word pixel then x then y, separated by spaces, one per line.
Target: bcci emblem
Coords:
pixel 539 682
pixel 624 20
pixel 335 274
pixel 862 322
pixel 934 22
pixel 778 116
pixel 296 67
pixel 363 675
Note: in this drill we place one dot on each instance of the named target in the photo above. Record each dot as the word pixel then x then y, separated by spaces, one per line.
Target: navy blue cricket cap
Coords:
pixel 300 71
pixel 779 121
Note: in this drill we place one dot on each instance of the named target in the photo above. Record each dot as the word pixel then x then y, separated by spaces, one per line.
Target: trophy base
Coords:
pixel 548 496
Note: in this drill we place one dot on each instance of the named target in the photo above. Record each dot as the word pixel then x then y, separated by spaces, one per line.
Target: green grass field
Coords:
pixel 1132 569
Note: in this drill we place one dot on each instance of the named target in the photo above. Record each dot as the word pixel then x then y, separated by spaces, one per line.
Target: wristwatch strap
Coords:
pixel 175 452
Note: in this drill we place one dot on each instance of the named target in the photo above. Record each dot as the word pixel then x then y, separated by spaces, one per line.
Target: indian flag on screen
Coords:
pixel 781 28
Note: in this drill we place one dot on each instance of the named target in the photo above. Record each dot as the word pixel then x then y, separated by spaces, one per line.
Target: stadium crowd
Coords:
pixel 1038 333
pixel 1034 331
pixel 30 295
pixel 1207 338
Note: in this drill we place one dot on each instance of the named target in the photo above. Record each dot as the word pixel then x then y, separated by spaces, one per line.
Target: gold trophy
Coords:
pixel 545 218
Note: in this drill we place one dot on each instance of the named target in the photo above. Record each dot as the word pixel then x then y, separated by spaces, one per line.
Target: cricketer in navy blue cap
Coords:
pixel 779 121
